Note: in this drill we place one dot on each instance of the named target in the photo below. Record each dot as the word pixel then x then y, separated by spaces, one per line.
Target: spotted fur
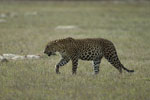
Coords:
pixel 91 49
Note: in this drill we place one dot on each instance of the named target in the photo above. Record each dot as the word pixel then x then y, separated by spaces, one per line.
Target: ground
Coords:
pixel 25 28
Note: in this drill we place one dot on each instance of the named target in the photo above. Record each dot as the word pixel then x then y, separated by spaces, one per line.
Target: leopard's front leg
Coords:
pixel 62 62
pixel 74 65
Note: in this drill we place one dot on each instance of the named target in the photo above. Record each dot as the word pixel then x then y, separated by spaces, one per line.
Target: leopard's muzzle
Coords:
pixel 50 53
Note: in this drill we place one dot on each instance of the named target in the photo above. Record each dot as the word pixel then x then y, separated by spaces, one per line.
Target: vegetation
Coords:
pixel 27 27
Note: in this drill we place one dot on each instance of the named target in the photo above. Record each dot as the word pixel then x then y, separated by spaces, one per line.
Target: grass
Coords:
pixel 126 25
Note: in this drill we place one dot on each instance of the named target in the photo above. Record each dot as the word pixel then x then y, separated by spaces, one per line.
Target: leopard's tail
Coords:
pixel 114 60
pixel 110 54
pixel 127 69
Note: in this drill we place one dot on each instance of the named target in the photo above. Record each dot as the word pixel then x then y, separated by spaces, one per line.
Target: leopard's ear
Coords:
pixel 69 38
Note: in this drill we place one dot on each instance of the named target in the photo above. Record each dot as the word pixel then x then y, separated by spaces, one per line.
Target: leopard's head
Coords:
pixel 51 48
pixel 57 46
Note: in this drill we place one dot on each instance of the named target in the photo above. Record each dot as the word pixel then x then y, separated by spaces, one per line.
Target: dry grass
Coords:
pixel 126 25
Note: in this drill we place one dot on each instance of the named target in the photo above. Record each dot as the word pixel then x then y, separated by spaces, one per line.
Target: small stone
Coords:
pixel 2 20
pixel 32 56
pixel 67 27
pixel 4 60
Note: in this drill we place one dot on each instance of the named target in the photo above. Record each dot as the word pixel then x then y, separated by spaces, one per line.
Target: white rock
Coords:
pixel 3 15
pixel 67 27
pixel 2 20
pixel 13 56
pixel 32 56
pixel 18 57
pixel 1 57
pixel 9 56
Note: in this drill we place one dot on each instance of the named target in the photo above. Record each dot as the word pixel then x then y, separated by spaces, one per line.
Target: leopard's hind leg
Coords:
pixel 111 55
pixel 96 65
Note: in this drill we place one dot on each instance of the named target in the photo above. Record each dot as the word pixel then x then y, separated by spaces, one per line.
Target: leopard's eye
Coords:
pixel 47 47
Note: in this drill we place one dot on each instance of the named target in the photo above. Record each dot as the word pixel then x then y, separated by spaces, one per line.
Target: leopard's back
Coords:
pixel 93 48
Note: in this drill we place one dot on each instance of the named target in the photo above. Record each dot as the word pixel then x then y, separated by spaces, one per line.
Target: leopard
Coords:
pixel 88 49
